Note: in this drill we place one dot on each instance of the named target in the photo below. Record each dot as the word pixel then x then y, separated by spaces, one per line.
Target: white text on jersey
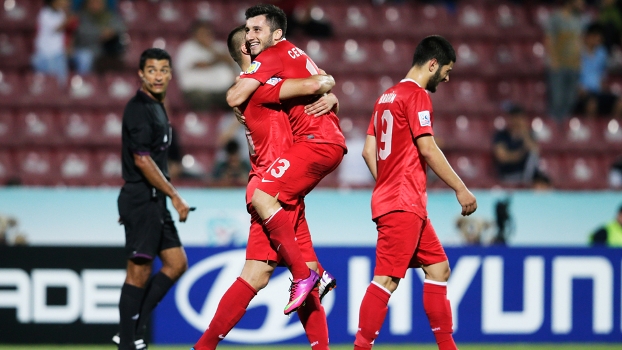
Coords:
pixel 295 52
pixel 387 98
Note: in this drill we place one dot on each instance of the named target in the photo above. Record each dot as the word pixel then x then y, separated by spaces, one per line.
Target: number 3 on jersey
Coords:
pixel 384 149
pixel 278 167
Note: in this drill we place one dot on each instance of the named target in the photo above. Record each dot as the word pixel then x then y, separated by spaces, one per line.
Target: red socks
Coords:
pixel 371 316
pixel 230 310
pixel 437 308
pixel 313 320
pixel 282 236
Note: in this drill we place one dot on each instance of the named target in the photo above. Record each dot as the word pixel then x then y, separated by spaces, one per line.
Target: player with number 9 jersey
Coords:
pixel 401 114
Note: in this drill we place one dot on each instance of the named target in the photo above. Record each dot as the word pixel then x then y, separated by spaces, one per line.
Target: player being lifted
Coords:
pixel 318 148
pixel 269 135
pixel 399 147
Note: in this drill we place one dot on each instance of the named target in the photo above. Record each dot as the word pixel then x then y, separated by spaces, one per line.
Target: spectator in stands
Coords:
pixel 99 39
pixel 204 69
pixel 233 170
pixel 563 44
pixel 610 19
pixel 593 96
pixel 609 234
pixel 515 151
pixel 50 54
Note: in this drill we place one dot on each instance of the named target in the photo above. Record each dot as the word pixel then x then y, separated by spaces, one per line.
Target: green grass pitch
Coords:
pixel 337 347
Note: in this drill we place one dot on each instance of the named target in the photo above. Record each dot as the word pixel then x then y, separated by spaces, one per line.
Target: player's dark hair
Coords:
pixel 234 41
pixel 155 54
pixel 434 46
pixel 275 17
pixel 594 28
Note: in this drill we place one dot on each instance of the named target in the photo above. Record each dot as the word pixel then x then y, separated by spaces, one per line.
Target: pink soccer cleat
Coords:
pixel 299 290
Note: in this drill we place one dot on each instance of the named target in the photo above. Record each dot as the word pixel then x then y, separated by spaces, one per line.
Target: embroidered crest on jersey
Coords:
pixel 253 67
pixel 424 118
pixel 273 81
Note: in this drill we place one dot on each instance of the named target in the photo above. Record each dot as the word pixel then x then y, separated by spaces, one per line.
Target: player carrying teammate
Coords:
pixel 318 148
pixel 269 135
pixel 399 147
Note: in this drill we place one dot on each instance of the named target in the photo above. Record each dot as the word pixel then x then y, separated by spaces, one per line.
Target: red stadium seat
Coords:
pixel 38 128
pixel 395 22
pixel 326 54
pixel 109 127
pixel 474 59
pixel 356 95
pixel 221 16
pixel 611 131
pixel 512 22
pixel 474 168
pixel 43 91
pixel 198 130
pixel 9 135
pixel 107 168
pixel 120 88
pixel 7 167
pixel 586 173
pixel 474 22
pixel 138 16
pixel 350 19
pixel 171 17
pixel 76 168
pixel 582 135
pixel 197 166
pixel 553 165
pixel 470 96
pixel 11 88
pixel 37 167
pixel 18 15
pixel 14 52
pixel 548 134
pixel 78 128
pixel 86 91
pixel 469 134
pixel 433 19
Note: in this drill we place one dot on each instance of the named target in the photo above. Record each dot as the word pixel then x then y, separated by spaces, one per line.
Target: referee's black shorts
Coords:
pixel 149 227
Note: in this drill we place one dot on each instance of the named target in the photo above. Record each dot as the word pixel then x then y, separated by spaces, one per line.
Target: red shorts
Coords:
pixel 405 240
pixel 299 169
pixel 258 246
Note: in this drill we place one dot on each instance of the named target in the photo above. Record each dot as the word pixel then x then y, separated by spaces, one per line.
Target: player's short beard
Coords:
pixel 434 81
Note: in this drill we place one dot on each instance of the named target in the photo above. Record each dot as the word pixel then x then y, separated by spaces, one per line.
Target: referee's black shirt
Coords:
pixel 146 131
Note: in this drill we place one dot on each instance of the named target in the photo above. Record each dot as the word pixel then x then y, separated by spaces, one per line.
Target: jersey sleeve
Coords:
pixel 371 129
pixel 264 67
pixel 136 121
pixel 419 114
pixel 269 93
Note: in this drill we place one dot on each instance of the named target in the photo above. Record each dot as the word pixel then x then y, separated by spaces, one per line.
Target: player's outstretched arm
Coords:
pixel 314 85
pixel 241 91
pixel 439 164
pixel 369 154
pixel 155 177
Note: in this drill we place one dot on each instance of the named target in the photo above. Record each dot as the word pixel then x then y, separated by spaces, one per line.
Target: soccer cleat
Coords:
pixel 299 290
pixel 327 283
pixel 139 344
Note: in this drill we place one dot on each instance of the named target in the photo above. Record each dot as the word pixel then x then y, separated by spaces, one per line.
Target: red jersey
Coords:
pixel 401 114
pixel 284 60
pixel 267 127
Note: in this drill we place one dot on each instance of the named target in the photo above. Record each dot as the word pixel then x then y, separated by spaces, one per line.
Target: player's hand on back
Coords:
pixel 322 106
pixel 239 116
pixel 181 206
pixel 467 201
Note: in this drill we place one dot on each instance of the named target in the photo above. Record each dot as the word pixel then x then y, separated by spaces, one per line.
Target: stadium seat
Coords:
pixel 611 131
pixel 470 96
pixel 390 56
pixel 219 14
pixel 7 167
pixel 38 128
pixel 394 21
pixel 198 130
pixel 138 16
pixel 350 20
pixel 18 15
pixel 433 19
pixel 78 128
pixel 474 168
pixel 512 22
pixel 76 168
pixel 474 22
pixel 553 165
pixel 108 130
pixel 356 95
pixel 197 166
pixel 86 91
pixel 14 52
pixel 548 134
pixel 120 88
pixel 11 88
pixel 37 167
pixel 9 136
pixel 43 91
pixel 469 133
pixel 586 173
pixel 582 135
pixel 107 168
pixel 474 59
pixel 171 17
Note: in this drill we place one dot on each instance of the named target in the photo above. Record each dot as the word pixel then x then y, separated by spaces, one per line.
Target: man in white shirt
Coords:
pixel 204 69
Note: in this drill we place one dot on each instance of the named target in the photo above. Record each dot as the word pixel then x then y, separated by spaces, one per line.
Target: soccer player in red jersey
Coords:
pixel 269 135
pixel 399 147
pixel 319 144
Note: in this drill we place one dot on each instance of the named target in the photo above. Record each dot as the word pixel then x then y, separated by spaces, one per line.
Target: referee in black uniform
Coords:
pixel 149 227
